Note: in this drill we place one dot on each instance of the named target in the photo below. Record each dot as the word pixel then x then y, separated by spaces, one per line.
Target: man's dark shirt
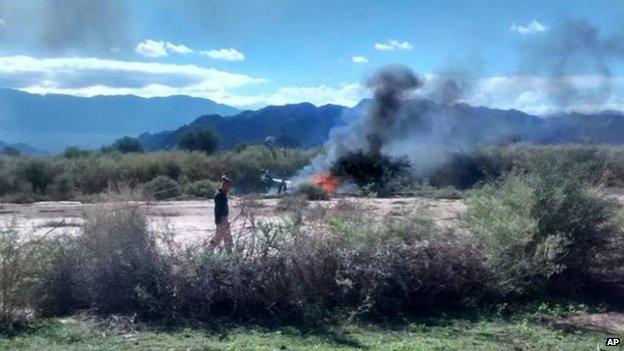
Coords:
pixel 221 205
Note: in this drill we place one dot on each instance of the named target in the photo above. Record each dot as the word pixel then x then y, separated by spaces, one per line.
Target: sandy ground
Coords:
pixel 611 322
pixel 194 219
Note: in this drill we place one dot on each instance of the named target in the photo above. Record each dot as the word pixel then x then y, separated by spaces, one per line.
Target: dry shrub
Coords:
pixel 345 263
pixel 312 192
pixel 162 188
pixel 123 270
pixel 292 203
pixel 114 266
pixel 16 251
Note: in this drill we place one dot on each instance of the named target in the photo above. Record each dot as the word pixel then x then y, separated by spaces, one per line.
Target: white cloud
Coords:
pixel 392 45
pixel 87 77
pixel 2 23
pixel 530 28
pixel 534 94
pixel 224 54
pixel 178 49
pixel 359 59
pixel 153 48
pixel 347 95
pixel 82 76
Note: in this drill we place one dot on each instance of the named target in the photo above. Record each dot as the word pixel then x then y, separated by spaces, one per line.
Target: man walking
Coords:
pixel 221 210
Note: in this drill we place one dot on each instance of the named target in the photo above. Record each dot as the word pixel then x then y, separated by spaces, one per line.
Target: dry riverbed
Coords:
pixel 192 220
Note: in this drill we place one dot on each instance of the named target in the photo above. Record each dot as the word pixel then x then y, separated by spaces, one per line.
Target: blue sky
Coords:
pixel 257 52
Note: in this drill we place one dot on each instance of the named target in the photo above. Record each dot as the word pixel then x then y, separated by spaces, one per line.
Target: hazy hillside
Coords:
pixel 302 125
pixel 52 122
pixel 23 148
pixel 306 125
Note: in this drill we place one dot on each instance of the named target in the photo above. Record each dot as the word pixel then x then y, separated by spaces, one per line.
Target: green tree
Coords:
pixel 38 172
pixel 11 151
pixel 126 145
pixel 75 152
pixel 200 139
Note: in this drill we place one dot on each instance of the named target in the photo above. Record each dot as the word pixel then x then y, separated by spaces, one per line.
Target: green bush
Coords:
pixel 75 152
pixel 543 229
pixel 201 188
pixel 62 188
pixel 595 164
pixel 312 191
pixel 17 255
pixel 37 172
pixel 203 139
pixel 5 185
pixel 126 145
pixel 162 188
pixel 11 151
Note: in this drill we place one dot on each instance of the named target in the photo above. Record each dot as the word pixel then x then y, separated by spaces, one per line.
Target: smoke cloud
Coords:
pixel 390 86
pixel 423 120
pixel 399 122
pixel 575 47
pixel 58 26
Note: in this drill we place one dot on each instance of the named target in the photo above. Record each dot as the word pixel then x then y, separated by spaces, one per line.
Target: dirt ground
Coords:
pixel 611 322
pixel 192 220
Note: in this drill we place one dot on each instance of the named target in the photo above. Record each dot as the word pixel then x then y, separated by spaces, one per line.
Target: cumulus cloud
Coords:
pixel 81 76
pixel 532 94
pixel 151 48
pixel 224 54
pixel 92 76
pixel 359 59
pixel 2 23
pixel 529 28
pixel 154 48
pixel 178 49
pixel 392 45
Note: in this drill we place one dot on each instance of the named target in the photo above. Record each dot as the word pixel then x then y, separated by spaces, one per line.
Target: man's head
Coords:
pixel 226 184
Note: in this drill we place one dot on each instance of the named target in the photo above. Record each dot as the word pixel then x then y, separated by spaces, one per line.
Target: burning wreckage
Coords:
pixel 358 155
pixel 413 129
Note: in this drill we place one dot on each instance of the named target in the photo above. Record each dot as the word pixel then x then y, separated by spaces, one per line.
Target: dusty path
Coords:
pixel 194 219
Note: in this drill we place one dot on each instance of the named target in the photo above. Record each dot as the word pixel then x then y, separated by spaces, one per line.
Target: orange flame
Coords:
pixel 325 180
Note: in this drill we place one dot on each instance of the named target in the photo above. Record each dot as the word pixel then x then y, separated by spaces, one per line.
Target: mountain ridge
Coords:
pixel 305 125
pixel 48 121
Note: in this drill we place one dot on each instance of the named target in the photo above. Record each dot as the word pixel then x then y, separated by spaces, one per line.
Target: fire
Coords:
pixel 325 180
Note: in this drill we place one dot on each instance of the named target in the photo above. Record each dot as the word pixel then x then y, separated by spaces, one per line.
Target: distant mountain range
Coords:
pixel 53 122
pixel 23 148
pixel 305 125
pixel 301 125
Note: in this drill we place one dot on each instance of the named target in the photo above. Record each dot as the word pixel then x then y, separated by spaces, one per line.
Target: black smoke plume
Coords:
pixel 390 87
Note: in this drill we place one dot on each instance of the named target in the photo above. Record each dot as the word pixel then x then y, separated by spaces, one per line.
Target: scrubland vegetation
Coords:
pixel 79 175
pixel 82 175
pixel 538 228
